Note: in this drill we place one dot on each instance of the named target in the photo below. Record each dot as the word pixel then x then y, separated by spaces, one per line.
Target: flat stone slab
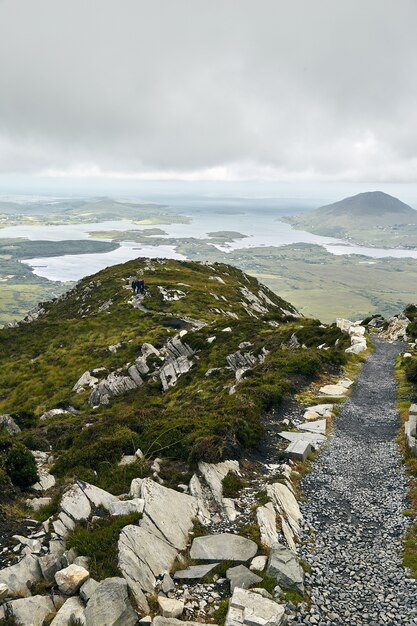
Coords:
pixel 299 450
pixel 223 547
pixel 333 390
pixel 318 427
pixel 321 409
pixel 313 438
pixel 195 572
pixel 284 566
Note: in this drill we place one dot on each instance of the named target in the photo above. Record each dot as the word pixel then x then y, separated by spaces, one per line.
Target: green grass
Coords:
pixel 98 541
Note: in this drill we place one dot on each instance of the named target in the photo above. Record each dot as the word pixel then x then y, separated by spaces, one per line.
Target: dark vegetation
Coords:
pixel 98 541
pixel 196 419
pixel 17 467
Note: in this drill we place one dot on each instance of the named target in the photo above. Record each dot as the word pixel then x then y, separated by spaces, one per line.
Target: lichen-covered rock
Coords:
pixel 9 425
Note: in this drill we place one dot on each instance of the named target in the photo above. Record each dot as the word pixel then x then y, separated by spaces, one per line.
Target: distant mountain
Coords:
pixel 370 218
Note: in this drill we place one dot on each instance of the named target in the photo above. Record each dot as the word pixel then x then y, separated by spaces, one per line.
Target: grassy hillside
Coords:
pixel 371 218
pixel 207 414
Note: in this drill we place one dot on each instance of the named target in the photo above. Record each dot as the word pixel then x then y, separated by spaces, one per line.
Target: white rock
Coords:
pixel 357 348
pixel 258 563
pixel 214 473
pixel 16 577
pixel 75 503
pixel 86 380
pixel 37 503
pixel 127 506
pixel 127 459
pixel 285 503
pixel 4 591
pixel 343 324
pixel 333 390
pixel 318 426
pixel 266 518
pixel 170 607
pixel 70 579
pixel 136 488
pixel 252 609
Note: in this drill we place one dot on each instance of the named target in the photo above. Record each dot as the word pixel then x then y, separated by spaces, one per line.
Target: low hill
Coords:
pixel 186 370
pixel 371 218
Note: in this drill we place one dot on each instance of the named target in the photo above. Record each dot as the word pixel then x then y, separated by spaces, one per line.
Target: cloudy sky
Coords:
pixel 290 90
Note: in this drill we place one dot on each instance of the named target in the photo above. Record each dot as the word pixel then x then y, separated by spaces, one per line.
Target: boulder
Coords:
pixel 267 522
pixel 86 380
pixel 284 566
pixel 112 386
pixel 194 572
pixel 53 413
pixel 72 610
pixel 167 584
pixel 223 547
pixel 168 513
pixel 50 564
pixel 30 611
pixel 75 503
pixel 241 576
pixel 136 488
pixel 124 507
pixel 170 607
pixel 343 324
pixel 9 425
pixel 109 605
pixel 70 579
pixel 87 589
pixel 17 577
pixel 252 609
pixel 356 348
pixel 397 328
pixel 46 480
pixel 4 591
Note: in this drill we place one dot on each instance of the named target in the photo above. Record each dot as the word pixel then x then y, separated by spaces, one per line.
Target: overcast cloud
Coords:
pixel 215 89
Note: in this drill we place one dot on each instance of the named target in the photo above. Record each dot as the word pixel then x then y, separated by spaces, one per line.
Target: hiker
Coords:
pixel 134 285
pixel 141 286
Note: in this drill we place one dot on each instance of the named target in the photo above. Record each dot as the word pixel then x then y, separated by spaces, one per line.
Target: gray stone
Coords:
pixel 299 450
pixel 318 426
pixel 87 589
pixel 30 611
pixel 223 547
pixel 413 409
pixel 171 621
pixel 167 584
pixel 143 556
pixel 194 572
pixel 241 576
pixel 314 439
pixel 4 591
pixel 70 579
pixel 258 563
pixel 267 522
pixel 113 385
pixel 17 577
pixel 252 609
pixel 109 605
pixel 9 425
pixel 168 513
pixel 37 503
pixel 72 610
pixel 284 566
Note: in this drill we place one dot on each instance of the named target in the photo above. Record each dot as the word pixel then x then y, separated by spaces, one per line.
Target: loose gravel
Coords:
pixel 354 523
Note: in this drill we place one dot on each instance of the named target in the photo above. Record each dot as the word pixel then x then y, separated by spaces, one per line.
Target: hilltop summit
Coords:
pixel 370 218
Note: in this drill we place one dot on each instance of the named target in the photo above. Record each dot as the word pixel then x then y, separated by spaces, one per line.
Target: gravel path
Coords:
pixel 354 523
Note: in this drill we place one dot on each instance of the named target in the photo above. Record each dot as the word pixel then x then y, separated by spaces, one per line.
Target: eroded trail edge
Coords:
pixel 354 522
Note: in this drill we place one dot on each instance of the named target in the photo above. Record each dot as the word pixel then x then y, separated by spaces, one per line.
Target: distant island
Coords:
pixel 372 218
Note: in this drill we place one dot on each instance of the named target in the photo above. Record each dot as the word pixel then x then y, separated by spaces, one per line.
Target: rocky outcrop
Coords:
pixel 113 385
pixel 109 605
pixel 396 329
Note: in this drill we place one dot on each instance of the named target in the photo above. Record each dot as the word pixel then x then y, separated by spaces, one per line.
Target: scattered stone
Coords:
pixel 87 589
pixel 314 439
pixel 53 413
pixel 267 522
pixel 223 547
pixel 37 503
pixel 299 450
pixel 333 390
pixel 318 426
pixel 16 577
pixel 70 579
pixel 167 584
